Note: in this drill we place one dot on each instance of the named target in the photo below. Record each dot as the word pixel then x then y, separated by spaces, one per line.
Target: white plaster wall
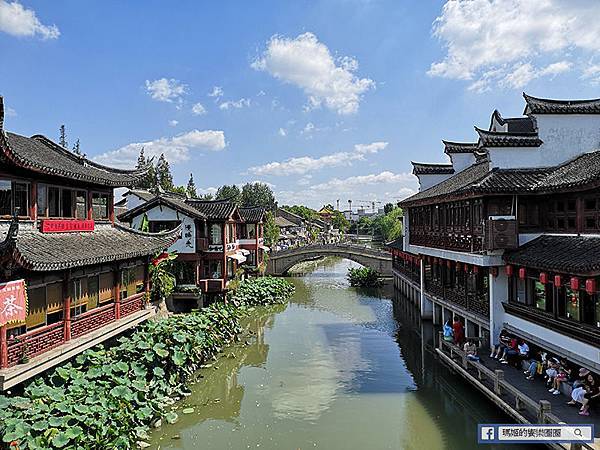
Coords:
pixel 516 157
pixel 428 180
pixel 566 136
pixel 464 257
pixel 188 228
pixel 460 161
pixel 573 348
pixel 405 231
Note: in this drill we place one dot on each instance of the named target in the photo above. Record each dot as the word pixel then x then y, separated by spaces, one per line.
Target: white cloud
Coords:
pixel 304 164
pixel 592 73
pixel 198 109
pixel 173 122
pixel 241 103
pixel 513 41
pixel 216 92
pixel 177 148
pixel 307 63
pixel 282 132
pixel 166 90
pixel 384 186
pixel 19 21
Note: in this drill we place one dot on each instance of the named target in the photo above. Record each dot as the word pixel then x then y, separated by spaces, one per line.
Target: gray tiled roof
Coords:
pixel 514 124
pixel 507 139
pixel 252 214
pixel 460 147
pixel 59 251
pixel 579 171
pixel 432 168
pixel 577 255
pixel 40 154
pixel 214 209
pixel 546 106
pixel 175 202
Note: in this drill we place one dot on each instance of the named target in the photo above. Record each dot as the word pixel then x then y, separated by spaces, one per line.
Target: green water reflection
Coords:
pixel 337 368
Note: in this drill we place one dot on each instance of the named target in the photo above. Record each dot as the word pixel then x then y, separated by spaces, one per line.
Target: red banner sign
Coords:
pixel 13 302
pixel 64 226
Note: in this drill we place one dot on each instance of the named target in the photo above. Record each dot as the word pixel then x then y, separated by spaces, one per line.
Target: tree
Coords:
pixel 179 190
pixel 76 149
pixel 390 226
pixel 227 192
pixel 339 221
pixel 271 230
pixel 62 140
pixel 148 181
pixel 191 188
pixel 388 207
pixel 303 211
pixel 164 178
pixel 258 194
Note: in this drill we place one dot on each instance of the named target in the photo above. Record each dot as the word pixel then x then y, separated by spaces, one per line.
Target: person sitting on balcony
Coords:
pixel 553 365
pixel 510 352
pixel 502 346
pixel 536 365
pixel 448 331
pixel 564 373
pixel 591 396
pixel 471 350
pixel 579 387
pixel 458 331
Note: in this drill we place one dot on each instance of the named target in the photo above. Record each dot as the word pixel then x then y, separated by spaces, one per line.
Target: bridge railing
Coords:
pixel 364 250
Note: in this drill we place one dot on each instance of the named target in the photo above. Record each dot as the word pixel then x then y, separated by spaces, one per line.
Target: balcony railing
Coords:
pixel 44 339
pixel 212 285
pixel 448 241
pixel 469 301
pixel 404 270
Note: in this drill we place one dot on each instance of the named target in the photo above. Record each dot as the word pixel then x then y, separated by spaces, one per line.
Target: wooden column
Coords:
pixel 33 204
pixel 147 276
pixel 257 251
pixel 89 205
pixel 67 308
pixel 3 348
pixel 111 207
pixel 117 296
pixel 224 270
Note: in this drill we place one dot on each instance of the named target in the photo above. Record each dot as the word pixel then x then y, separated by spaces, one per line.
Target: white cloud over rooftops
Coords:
pixel 19 21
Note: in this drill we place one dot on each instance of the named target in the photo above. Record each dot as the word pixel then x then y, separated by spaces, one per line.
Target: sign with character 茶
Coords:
pixel 13 302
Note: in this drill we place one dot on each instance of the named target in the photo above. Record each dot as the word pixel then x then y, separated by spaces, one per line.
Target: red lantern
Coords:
pixel 466 268
pixel 575 283
pixel 557 281
pixel 543 277
pixel 493 271
pixel 509 270
pixel 522 273
pixel 590 286
pixel 476 269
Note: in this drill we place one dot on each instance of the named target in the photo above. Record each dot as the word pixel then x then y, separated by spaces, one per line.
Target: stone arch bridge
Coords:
pixel 282 261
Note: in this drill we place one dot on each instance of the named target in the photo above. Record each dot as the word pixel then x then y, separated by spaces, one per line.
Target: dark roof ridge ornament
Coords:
pixel 507 139
pixel 1 113
pixel 459 147
pixel 537 105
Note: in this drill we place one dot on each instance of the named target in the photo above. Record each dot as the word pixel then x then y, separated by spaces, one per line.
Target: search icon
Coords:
pixel 577 432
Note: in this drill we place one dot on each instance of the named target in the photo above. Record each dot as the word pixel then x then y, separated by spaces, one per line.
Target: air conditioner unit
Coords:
pixel 501 233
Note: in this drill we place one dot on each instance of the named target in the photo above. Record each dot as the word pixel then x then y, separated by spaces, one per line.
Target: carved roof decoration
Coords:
pixel 537 105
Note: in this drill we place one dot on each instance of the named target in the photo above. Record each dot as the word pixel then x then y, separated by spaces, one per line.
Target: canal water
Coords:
pixel 336 368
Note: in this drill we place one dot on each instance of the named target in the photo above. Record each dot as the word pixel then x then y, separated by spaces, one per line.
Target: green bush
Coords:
pixel 363 277
pixel 109 397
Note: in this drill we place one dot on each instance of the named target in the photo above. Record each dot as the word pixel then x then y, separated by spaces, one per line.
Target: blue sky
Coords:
pixel 324 100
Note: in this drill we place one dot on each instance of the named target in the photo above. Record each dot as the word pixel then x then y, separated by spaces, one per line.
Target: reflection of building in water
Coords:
pixel 436 382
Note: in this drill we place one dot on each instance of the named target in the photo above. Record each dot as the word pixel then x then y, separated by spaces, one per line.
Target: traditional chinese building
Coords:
pixel 217 238
pixel 85 276
pixel 508 234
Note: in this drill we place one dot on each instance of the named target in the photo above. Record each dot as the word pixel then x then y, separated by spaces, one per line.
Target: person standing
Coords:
pixel 458 331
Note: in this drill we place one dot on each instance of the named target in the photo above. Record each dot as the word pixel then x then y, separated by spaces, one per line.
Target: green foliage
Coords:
pixel 363 277
pixel 390 226
pixel 388 207
pixel 179 190
pixel 109 397
pixel 162 278
pixel 258 194
pixel 339 221
pixel 149 180
pixel 271 230
pixel 228 192
pixel 164 178
pixel 145 224
pixel 302 211
pixel 190 189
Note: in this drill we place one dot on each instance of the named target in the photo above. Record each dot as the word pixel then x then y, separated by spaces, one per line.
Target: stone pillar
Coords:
pixel 426 304
pixel 498 287
pixel 3 348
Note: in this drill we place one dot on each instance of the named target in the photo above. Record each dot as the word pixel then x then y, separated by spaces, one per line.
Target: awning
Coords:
pixel 265 248
pixel 238 257
pixel 244 252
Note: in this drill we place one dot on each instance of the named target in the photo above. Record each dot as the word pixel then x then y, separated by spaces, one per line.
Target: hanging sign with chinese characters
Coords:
pixel 13 302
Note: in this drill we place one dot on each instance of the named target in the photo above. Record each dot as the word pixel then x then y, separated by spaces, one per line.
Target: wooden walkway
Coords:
pixel 528 402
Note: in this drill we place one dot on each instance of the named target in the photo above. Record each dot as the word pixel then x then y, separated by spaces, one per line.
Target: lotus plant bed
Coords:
pixel 110 397
pixel 364 277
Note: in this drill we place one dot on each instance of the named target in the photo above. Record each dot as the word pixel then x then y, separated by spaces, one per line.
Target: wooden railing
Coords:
pixel 44 339
pixel 539 411
pixel 469 301
pixel 447 240
pixel 212 285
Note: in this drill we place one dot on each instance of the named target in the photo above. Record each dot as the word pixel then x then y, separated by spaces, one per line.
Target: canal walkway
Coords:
pixel 526 401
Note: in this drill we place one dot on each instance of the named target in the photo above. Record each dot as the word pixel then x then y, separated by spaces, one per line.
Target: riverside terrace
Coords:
pixel 69 276
pixel 509 238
